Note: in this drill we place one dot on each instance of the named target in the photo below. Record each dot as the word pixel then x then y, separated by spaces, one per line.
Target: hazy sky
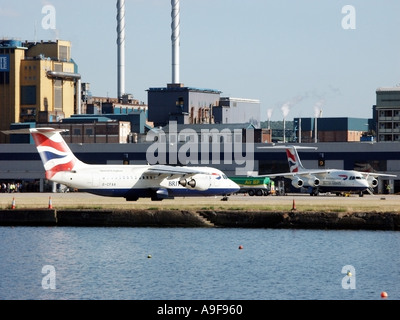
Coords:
pixel 296 56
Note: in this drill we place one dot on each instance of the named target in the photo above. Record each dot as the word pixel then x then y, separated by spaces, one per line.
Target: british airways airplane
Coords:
pixel 326 180
pixel 131 182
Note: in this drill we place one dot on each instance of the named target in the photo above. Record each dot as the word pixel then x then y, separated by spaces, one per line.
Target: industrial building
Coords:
pixel 189 105
pixel 37 78
pixel 387 113
pixel 331 129
pixel 185 105
pixel 214 133
pixel 238 110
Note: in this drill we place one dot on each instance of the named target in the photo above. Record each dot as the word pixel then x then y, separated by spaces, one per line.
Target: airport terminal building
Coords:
pixel 21 162
pixel 37 79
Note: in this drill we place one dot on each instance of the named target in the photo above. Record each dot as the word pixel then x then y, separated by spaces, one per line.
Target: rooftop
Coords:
pixel 183 89
pixel 388 89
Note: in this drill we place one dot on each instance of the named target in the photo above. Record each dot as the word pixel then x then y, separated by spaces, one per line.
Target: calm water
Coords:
pixel 196 264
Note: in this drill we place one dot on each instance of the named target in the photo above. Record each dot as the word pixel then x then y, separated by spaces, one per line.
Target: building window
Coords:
pixel 371 165
pixel 4 78
pixel 28 95
pixel 58 95
pixel 64 53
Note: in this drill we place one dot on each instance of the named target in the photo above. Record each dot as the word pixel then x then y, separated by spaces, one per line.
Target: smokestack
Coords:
pixel 175 40
pixel 121 47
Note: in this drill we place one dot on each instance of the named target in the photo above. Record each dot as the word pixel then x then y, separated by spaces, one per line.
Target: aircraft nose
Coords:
pixel 235 185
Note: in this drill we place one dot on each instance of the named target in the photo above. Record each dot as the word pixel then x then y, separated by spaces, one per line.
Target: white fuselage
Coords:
pixel 333 181
pixel 133 181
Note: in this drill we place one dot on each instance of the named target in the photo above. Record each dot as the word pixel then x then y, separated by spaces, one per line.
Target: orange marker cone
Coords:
pixel 294 206
pixel 13 203
pixel 50 204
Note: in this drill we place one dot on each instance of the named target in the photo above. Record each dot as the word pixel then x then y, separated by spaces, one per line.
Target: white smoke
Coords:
pixel 318 108
pixel 285 110
pixel 269 113
pixel 289 104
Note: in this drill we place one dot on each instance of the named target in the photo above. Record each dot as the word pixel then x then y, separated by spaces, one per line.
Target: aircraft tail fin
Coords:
pixel 53 150
pixel 294 161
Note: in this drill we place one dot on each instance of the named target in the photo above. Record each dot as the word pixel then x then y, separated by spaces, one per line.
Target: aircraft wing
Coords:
pixel 321 172
pixel 28 130
pixel 171 170
pixel 375 174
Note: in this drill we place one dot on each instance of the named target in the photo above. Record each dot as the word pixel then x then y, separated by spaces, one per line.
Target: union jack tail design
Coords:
pixel 295 164
pixel 54 152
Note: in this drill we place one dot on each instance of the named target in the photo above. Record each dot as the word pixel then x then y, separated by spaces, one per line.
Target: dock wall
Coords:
pixel 202 218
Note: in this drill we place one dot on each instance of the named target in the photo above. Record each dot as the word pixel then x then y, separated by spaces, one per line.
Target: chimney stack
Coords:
pixel 175 40
pixel 121 47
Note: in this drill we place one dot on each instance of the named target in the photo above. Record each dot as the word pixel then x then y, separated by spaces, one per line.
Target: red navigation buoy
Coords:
pixel 240 247
pixel 384 294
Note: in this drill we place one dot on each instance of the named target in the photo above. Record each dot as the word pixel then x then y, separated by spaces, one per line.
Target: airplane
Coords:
pixel 132 182
pixel 326 180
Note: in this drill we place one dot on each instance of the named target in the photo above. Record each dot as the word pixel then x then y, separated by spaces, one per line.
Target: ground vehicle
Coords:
pixel 254 186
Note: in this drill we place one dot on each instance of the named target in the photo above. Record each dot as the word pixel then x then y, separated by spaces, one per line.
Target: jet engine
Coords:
pixel 314 182
pixel 199 182
pixel 297 182
pixel 373 182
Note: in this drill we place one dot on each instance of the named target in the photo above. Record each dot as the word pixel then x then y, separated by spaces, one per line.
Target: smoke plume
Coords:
pixel 318 108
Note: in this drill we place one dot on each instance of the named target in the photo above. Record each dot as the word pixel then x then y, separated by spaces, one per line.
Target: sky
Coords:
pixel 299 58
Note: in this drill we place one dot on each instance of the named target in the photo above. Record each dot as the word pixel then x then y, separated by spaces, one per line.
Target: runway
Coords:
pixel 240 202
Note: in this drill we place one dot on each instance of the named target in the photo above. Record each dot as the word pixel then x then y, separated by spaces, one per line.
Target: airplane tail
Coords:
pixel 53 150
pixel 294 161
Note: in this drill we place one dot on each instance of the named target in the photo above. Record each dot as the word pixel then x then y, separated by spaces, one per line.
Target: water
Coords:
pixel 196 264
